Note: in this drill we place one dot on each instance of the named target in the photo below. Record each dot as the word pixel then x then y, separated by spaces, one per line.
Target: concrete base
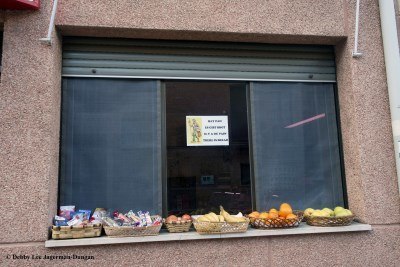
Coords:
pixel 165 236
pixel 379 247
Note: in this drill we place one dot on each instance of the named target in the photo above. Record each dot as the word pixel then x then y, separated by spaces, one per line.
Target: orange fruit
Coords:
pixel 273 210
pixel 263 215
pixel 291 216
pixel 273 215
pixel 254 214
pixel 285 209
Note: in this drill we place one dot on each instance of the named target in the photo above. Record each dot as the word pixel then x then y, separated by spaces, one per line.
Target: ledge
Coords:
pixel 192 235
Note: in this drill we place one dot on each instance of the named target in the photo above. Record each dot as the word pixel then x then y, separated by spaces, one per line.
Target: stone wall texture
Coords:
pixel 30 89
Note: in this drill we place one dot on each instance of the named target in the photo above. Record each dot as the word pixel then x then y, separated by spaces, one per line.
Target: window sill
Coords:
pixel 165 236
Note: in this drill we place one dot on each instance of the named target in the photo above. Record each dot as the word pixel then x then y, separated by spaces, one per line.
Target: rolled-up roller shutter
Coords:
pixel 127 58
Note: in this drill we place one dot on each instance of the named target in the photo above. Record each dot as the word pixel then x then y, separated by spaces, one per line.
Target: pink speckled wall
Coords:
pixel 30 123
pixel 266 17
pixel 375 248
pixel 29 126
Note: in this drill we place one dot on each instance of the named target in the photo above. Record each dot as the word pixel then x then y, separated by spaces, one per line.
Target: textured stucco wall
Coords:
pixel 265 19
pixel 365 119
pixel 30 118
pixel 29 126
pixel 376 248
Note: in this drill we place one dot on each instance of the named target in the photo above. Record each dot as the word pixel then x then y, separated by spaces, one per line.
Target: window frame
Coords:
pixel 161 85
pixel 165 237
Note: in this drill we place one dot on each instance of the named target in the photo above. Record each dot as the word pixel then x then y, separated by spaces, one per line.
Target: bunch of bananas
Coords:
pixel 223 217
pixel 211 217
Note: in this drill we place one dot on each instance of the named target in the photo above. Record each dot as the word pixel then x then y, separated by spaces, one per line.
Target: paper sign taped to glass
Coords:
pixel 207 131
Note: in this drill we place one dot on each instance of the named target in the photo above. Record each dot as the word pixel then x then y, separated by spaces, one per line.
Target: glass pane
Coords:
pixel 204 174
pixel 296 149
pixel 110 154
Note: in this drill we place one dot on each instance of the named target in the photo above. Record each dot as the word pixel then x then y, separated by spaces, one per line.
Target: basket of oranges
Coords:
pixel 285 217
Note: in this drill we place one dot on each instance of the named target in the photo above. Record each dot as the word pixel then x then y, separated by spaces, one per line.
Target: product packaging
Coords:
pixel 75 222
pixel 148 218
pixel 142 217
pixel 86 214
pixel 99 213
pixel 60 221
pixel 65 211
pixel 109 222
pixel 78 215
pixel 131 215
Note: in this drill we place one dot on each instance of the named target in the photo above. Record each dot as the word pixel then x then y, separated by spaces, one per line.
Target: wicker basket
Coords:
pixel 67 232
pixel 178 227
pixel 329 221
pixel 277 223
pixel 205 228
pixel 132 230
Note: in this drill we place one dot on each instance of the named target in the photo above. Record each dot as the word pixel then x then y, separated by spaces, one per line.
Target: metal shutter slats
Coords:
pixel 196 60
pixel 206 59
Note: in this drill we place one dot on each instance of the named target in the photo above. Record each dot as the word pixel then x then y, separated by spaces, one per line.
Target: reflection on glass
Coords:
pixel 296 149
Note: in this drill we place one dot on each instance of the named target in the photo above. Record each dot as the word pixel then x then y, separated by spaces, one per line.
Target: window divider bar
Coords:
pixel 251 142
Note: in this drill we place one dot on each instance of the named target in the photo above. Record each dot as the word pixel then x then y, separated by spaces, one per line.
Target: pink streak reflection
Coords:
pixel 306 121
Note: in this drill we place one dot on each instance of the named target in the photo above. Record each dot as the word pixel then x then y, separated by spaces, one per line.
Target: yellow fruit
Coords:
pixel 203 219
pixel 273 211
pixel 285 209
pixel 229 218
pixel 263 215
pixel 338 209
pixel 291 216
pixel 344 213
pixel 254 214
pixel 320 213
pixel 212 217
pixel 327 210
pixel 273 215
pixel 308 212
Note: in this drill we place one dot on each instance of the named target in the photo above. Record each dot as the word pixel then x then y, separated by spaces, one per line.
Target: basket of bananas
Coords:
pixel 212 223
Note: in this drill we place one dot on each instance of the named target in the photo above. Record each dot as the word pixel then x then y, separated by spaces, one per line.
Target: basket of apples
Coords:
pixel 176 224
pixel 327 217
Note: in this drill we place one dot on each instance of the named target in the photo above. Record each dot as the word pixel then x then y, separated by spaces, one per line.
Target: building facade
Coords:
pixel 31 103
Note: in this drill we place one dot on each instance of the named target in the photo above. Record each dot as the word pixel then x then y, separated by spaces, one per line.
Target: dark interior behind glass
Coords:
pixel 200 178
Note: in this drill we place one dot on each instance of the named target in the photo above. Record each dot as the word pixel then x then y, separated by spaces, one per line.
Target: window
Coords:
pixel 128 144
pixel 296 149
pixel 201 178
pixel 110 150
